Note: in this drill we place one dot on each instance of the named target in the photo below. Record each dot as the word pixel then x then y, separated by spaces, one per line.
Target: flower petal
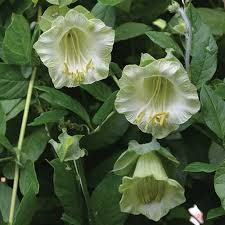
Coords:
pixel 158 97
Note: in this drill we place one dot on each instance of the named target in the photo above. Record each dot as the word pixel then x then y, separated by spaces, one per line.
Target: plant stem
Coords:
pixel 116 80
pixel 20 143
pixel 83 183
pixel 188 37
pixel 6 159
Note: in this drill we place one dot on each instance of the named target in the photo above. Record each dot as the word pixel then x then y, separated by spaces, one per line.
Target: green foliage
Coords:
pixel 105 200
pixel 107 133
pixel 99 90
pixel 59 98
pixel 5 199
pixel 106 13
pixel 200 167
pixel 214 213
pixel 219 183
pixel 16 43
pixel 212 109
pixel 214 19
pixel 106 108
pixel 27 208
pixel 164 40
pixel 204 50
pixel 49 117
pixel 130 30
pixel 28 179
pixel 66 189
pixel 12 84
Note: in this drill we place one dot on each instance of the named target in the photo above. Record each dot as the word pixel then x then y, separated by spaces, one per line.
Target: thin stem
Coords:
pixel 19 146
pixel 6 159
pixel 188 37
pixel 83 183
pixel 116 80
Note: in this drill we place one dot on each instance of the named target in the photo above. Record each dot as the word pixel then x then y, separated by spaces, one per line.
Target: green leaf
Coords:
pixel 2 120
pixel 5 142
pixel 65 101
pixel 5 200
pixel 9 170
pixel 214 19
pixel 108 133
pixel 166 154
pixel 164 40
pixel 220 90
pixel 125 162
pixel 27 209
pixel 22 5
pixel 99 90
pixel 200 167
pixel 2 34
pixel 12 83
pixel 219 183
pixel 13 107
pixel 28 179
pixel 213 108
pixel 215 213
pixel 148 10
pixel 49 117
pixel 106 13
pixel 204 50
pixel 16 43
pixel 105 202
pixel 105 109
pixel 35 143
pixel 216 154
pixel 66 189
pixel 50 14
pixel 130 30
pixel 110 2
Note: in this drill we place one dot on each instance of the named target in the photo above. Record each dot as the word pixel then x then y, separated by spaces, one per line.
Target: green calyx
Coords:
pixel 68 149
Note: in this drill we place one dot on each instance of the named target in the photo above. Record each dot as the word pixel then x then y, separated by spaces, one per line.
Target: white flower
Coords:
pixel 196 215
pixel 150 192
pixel 157 97
pixel 76 49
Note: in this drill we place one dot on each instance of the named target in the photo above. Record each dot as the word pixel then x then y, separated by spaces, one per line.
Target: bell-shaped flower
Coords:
pixel 157 97
pixel 150 192
pixel 76 49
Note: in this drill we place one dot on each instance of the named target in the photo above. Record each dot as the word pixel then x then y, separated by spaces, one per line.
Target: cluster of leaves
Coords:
pixel 48 188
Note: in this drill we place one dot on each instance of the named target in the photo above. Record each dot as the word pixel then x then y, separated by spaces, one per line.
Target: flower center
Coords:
pixel 76 60
pixel 160 93
pixel 149 190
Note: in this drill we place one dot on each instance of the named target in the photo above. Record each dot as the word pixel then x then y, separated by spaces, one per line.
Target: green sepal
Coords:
pixel 146 59
pixel 68 149
pixel 127 159
pixel 50 14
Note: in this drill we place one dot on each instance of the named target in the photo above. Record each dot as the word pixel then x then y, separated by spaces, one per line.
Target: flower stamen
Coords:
pixel 75 64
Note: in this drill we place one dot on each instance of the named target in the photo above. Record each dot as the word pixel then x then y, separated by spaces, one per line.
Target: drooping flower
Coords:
pixel 150 192
pixel 76 49
pixel 157 97
pixel 196 215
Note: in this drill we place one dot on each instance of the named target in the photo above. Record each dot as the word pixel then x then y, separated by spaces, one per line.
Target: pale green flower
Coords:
pixel 150 192
pixel 76 49
pixel 157 97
